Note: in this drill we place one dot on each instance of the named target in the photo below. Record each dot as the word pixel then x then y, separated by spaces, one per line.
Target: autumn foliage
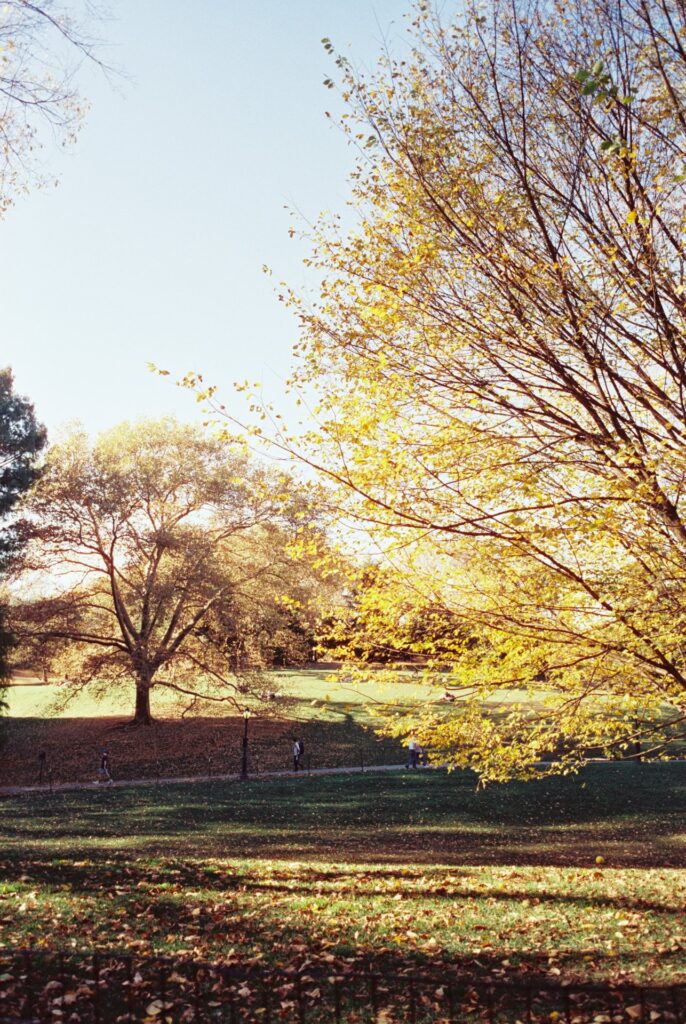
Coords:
pixel 498 350
pixel 162 559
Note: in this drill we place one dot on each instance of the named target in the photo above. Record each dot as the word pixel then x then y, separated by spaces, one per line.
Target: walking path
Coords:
pixel 59 787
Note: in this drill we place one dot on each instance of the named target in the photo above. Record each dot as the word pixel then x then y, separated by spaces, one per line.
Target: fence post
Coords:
pixel 225 977
pixel 129 990
pixel 337 1000
pixel 299 997
pixel 676 1006
pixel 96 990
pixel 373 999
pixel 28 960
pixel 162 974
pixel 413 1003
pixel 266 1002
pixel 491 1013
pixel 60 960
pixel 451 1002
pixel 196 993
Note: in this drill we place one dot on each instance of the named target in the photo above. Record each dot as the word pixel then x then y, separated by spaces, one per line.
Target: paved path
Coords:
pixel 176 780
pixel 17 791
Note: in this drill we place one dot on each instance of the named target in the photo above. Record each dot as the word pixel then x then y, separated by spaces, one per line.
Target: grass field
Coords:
pixel 419 868
pixel 327 688
pixel 33 699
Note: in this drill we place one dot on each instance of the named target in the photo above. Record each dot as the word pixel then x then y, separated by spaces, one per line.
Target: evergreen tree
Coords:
pixel 22 438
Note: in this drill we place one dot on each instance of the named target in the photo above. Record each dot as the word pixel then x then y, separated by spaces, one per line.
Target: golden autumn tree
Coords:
pixel 499 352
pixel 160 560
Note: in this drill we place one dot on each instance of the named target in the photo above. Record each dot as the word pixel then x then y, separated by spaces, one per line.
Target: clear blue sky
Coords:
pixel 151 247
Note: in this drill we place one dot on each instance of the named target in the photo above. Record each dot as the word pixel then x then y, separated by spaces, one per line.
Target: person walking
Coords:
pixel 298 751
pixel 104 772
pixel 413 750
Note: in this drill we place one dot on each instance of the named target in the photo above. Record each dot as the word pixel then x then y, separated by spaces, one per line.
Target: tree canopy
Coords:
pixel 41 45
pixel 499 352
pixel 160 558
pixel 21 440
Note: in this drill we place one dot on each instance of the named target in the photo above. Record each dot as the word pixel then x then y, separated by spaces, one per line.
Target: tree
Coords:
pixel 38 46
pixel 381 620
pixel 499 350
pixel 21 440
pixel 144 545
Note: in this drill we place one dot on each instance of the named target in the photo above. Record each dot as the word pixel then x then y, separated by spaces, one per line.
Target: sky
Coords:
pixel 151 247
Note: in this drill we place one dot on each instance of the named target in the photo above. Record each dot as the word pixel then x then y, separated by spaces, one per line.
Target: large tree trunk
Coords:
pixel 142 715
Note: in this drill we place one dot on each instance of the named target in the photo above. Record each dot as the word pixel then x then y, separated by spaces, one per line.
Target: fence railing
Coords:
pixel 121 988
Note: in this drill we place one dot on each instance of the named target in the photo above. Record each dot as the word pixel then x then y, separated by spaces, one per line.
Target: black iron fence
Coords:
pixel 121 988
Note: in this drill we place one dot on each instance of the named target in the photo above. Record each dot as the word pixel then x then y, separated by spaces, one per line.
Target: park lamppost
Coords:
pixel 244 757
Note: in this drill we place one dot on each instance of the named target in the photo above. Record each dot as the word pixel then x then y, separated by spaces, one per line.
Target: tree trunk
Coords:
pixel 142 715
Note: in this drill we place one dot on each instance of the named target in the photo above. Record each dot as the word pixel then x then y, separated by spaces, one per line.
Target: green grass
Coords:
pixel 405 867
pixel 320 685
pixel 329 691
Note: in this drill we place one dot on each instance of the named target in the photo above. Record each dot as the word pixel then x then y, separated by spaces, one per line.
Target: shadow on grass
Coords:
pixel 632 815
pixel 381 868
pixel 234 918
pixel 94 877
pixel 510 991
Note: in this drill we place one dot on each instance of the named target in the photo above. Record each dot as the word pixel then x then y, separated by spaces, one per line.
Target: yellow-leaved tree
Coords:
pixel 500 358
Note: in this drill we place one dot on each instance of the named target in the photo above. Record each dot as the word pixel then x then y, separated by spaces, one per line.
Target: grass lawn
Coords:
pixel 321 693
pixel 32 698
pixel 418 868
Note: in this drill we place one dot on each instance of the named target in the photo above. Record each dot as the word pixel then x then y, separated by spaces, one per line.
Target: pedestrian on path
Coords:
pixel 298 752
pixel 413 750
pixel 104 772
